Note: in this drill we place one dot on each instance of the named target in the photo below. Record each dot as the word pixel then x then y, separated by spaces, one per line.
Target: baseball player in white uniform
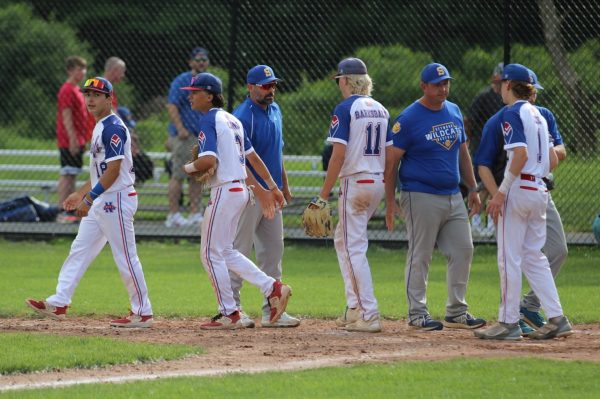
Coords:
pixel 360 138
pixel 519 208
pixel 107 203
pixel 222 145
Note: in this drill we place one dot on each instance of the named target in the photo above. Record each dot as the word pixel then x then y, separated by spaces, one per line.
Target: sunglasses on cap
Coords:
pixel 200 59
pixel 95 83
pixel 268 86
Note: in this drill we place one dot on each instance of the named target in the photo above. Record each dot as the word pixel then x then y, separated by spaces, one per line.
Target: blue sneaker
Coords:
pixel 534 319
pixel 426 323
pixel 465 320
pixel 525 329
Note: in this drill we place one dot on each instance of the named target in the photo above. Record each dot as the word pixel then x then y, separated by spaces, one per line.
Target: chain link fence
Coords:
pixel 303 41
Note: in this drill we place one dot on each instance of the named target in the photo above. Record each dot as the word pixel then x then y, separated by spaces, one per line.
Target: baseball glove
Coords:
pixel 316 218
pixel 201 177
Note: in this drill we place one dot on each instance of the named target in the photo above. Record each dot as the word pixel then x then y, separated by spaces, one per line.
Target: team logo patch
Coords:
pixel 109 207
pixel 268 73
pixel 507 128
pixel 445 134
pixel 116 143
pixel 335 123
pixel 396 128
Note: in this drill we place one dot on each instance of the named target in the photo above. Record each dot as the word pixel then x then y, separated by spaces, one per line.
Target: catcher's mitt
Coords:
pixel 201 177
pixel 316 218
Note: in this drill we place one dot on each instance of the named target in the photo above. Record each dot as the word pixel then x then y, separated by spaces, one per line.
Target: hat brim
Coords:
pixel 84 89
pixel 266 81
pixel 440 79
pixel 192 88
pixel 538 86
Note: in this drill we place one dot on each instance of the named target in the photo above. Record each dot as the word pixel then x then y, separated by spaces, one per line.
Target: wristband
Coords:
pixel 87 201
pixel 508 180
pixel 190 167
pixel 473 189
pixel 96 191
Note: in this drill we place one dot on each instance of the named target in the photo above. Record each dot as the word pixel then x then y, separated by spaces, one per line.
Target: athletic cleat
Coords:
pixel 373 325
pixel 350 316
pixel 465 320
pixel 525 328
pixel 426 323
pixel 278 300
pixel 195 219
pixel 534 319
pixel 556 329
pixel 222 322
pixel 175 220
pixel 285 320
pixel 246 321
pixel 501 332
pixel 67 218
pixel 45 309
pixel 133 321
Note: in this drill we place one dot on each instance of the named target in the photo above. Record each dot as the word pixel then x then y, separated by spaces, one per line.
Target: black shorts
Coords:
pixel 70 164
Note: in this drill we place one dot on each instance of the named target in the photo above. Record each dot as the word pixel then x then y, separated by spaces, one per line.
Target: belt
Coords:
pixel 525 176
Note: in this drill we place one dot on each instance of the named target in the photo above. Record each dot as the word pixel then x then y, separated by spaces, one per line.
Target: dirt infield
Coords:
pixel 316 343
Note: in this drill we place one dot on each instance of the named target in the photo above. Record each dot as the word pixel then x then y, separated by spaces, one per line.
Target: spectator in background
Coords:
pixel 114 72
pixel 485 104
pixel 183 134
pixel 71 133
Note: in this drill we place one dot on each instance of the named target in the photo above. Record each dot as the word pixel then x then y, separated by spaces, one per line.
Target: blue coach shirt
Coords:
pixel 264 128
pixel 432 141
pixel 189 118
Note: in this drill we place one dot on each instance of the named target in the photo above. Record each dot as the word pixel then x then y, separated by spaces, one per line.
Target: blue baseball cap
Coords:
pixel 261 75
pixel 205 81
pixel 197 51
pixel 98 84
pixel 517 72
pixel 351 66
pixel 434 73
pixel 535 82
pixel 126 116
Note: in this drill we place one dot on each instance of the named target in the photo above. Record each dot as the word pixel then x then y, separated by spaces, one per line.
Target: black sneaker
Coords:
pixel 426 323
pixel 465 320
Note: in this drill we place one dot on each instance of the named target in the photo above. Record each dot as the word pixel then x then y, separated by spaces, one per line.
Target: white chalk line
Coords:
pixel 155 375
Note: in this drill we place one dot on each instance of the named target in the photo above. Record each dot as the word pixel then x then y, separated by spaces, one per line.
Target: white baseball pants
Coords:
pixel 218 256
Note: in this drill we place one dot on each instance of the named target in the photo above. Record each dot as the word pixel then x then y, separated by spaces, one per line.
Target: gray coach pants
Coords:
pixel 266 236
pixel 436 219
pixel 555 250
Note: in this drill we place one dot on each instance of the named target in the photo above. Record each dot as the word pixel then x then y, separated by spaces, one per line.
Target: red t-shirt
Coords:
pixel 69 96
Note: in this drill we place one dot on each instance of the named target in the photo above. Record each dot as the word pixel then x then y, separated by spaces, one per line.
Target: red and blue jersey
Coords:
pixel 524 126
pixel 490 153
pixel 111 141
pixel 222 136
pixel 361 124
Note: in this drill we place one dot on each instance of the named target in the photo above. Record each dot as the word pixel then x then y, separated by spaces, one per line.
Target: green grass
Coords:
pixel 22 352
pixel 529 378
pixel 179 285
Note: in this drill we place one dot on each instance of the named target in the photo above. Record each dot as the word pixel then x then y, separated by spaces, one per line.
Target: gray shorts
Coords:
pixel 182 154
